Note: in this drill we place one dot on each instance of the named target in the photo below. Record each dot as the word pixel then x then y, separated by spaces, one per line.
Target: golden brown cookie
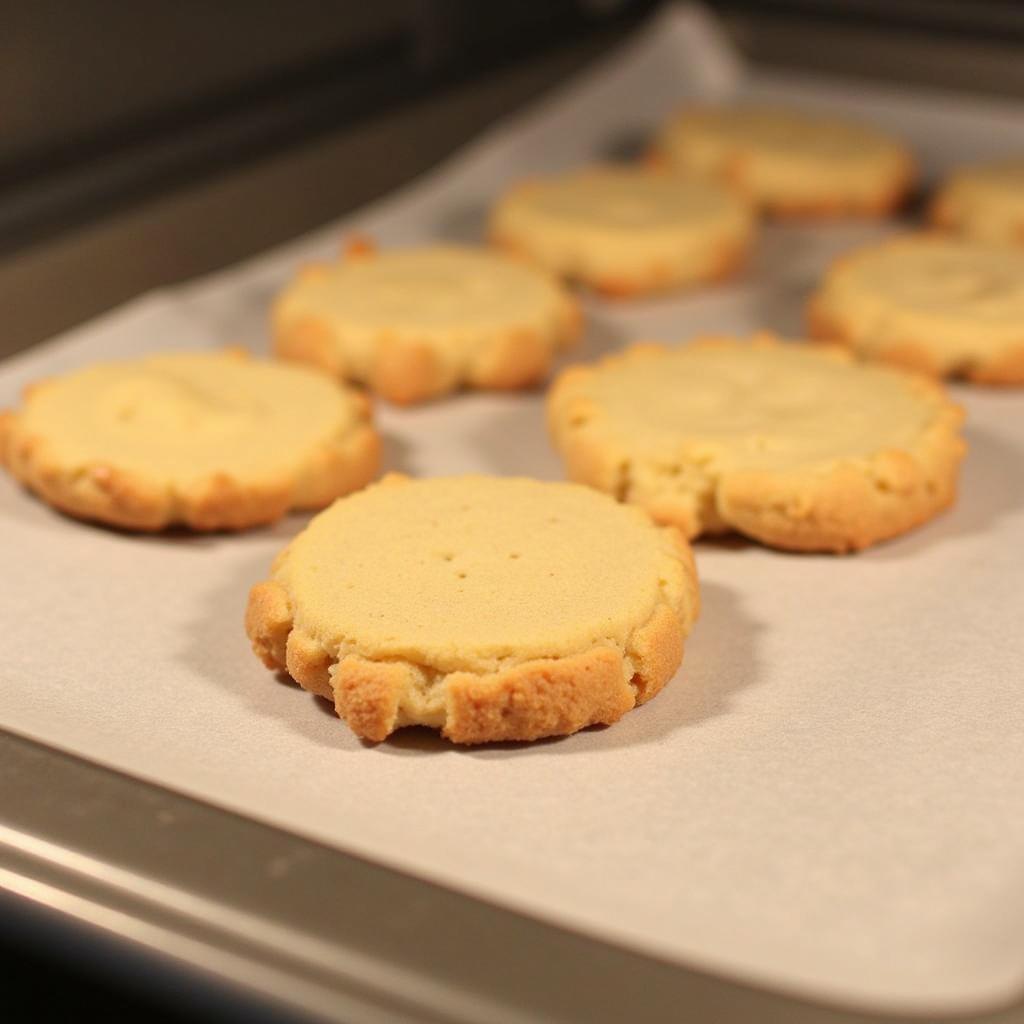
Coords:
pixel 796 446
pixel 946 306
pixel 412 324
pixel 208 440
pixel 488 608
pixel 791 163
pixel 626 231
pixel 984 201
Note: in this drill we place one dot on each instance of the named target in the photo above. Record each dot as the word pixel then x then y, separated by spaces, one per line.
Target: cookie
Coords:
pixel 942 305
pixel 796 446
pixel 791 163
pixel 626 231
pixel 985 201
pixel 208 440
pixel 413 324
pixel 488 608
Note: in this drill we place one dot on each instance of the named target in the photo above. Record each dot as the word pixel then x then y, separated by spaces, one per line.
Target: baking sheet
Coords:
pixel 827 800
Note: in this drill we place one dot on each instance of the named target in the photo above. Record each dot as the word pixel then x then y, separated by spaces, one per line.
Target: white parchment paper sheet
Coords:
pixel 827 800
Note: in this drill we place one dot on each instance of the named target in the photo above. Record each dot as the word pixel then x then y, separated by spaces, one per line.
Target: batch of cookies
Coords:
pixel 512 609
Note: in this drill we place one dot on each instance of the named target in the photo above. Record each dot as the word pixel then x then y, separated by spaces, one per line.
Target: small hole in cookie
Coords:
pixel 461 575
pixel 514 555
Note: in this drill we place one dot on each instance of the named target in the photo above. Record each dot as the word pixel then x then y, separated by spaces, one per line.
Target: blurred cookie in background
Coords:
pixel 942 305
pixel 416 323
pixel 983 201
pixel 626 231
pixel 791 163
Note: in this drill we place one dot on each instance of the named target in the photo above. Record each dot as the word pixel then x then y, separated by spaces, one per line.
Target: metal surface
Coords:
pixel 316 931
pixel 961 45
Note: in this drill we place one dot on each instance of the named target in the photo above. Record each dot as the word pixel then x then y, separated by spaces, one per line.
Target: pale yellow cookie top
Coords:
pixel 733 405
pixel 437 290
pixel 474 573
pixel 185 416
pixel 626 201
pixel 786 152
pixel 986 201
pixel 609 222
pixel 935 290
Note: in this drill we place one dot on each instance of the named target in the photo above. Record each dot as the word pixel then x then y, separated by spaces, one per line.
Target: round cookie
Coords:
pixel 416 323
pixel 796 446
pixel 791 163
pixel 942 305
pixel 626 231
pixel 209 440
pixel 488 608
pixel 985 201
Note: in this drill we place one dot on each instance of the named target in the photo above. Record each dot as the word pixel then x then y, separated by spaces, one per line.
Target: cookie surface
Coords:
pixel 626 231
pixel 489 608
pixel 791 163
pixel 416 323
pixel 796 446
pixel 942 305
pixel 985 201
pixel 209 440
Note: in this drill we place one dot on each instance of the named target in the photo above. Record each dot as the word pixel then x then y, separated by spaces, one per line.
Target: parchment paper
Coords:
pixel 829 799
